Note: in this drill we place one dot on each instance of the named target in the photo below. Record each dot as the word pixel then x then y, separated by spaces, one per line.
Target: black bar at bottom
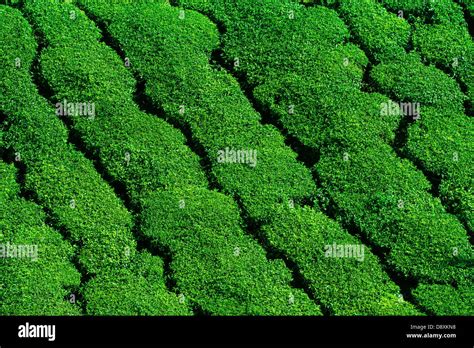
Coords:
pixel 429 331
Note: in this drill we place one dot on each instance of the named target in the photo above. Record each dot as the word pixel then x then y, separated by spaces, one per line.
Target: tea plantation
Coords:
pixel 236 157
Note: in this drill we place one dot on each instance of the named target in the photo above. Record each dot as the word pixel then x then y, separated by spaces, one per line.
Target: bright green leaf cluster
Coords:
pixel 215 264
pixel 36 279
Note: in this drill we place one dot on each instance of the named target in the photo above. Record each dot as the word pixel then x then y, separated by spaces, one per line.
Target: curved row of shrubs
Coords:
pixel 220 116
pixel 137 149
pixel 62 179
pixel 77 198
pixel 167 164
pixel 441 140
pixel 369 186
pixel 36 271
pixel 214 263
pixel 438 32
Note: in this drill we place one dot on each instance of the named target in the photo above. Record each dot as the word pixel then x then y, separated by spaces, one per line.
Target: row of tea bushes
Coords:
pixel 363 179
pixel 165 163
pixel 204 90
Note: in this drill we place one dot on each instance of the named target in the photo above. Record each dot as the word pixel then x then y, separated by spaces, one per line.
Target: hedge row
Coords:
pixel 442 139
pixel 410 80
pixel 214 263
pixel 418 247
pixel 407 79
pixel 99 61
pixel 384 35
pixel 39 279
pixel 441 35
pixel 391 205
pixel 317 122
pixel 449 46
pixel 204 91
pixel 445 300
pixel 138 289
pixel 431 11
pixel 63 180
pixel 66 183
pixel 181 81
pixel 442 143
pixel 306 236
pixel 138 150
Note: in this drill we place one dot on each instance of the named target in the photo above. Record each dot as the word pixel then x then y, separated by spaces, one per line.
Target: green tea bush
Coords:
pixel 346 286
pixel 302 66
pixel 431 11
pixel 349 183
pixel 384 35
pixel 316 122
pixel 216 265
pixel 446 300
pixel 78 199
pixel 410 80
pixel 449 46
pixel 138 289
pixel 198 103
pixel 142 152
pixel 441 140
pixel 35 279
pixel 61 178
pixel 213 126
pixel 84 66
pixel 389 202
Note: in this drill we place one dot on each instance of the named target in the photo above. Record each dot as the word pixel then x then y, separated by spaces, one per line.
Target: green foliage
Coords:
pixel 446 300
pixel 442 143
pixel 449 46
pixel 394 210
pixel 138 289
pixel 431 11
pixel 62 179
pixel 384 35
pixel 13 27
pixel 137 149
pixel 347 286
pixel 216 265
pixel 32 283
pixel 410 80
pixel 415 237
pixel 348 120
pixel 301 70
pixel 172 59
pixel 51 19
